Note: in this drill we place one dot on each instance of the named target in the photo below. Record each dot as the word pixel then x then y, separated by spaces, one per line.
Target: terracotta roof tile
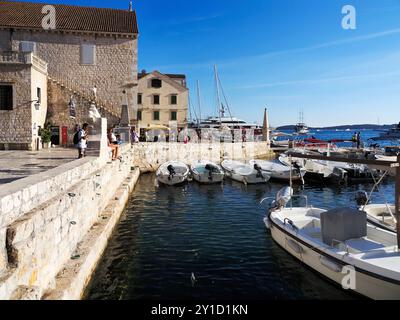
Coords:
pixel 68 18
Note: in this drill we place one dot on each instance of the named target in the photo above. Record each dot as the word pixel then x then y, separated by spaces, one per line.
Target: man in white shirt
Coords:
pixel 82 138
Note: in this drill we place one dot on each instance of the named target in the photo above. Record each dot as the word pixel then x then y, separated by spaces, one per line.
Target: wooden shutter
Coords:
pixel 88 54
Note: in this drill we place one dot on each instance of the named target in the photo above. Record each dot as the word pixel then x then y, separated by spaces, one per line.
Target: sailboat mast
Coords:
pixel 199 100
pixel 397 202
pixel 220 111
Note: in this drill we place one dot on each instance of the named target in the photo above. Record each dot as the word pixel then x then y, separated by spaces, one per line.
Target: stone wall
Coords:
pixel 15 125
pixel 46 219
pixel 58 110
pixel 148 156
pixel 114 70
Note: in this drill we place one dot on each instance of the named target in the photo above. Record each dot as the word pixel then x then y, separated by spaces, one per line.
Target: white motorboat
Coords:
pixel 207 172
pixel 245 173
pixel 280 171
pixel 312 166
pixel 339 172
pixel 340 245
pixel 381 215
pixel 173 173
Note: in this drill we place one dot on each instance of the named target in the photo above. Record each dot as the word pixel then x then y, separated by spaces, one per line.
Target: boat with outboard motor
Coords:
pixel 245 173
pixel 207 172
pixel 339 244
pixel 280 171
pixel 172 173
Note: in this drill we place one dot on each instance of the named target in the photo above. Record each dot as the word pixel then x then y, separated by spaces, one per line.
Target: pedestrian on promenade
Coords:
pixel 80 140
pixel 94 92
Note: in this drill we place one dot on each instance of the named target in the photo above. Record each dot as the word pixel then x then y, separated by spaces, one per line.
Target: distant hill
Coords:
pixel 344 127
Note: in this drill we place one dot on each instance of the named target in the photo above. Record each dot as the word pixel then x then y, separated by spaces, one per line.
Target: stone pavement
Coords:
pixel 16 165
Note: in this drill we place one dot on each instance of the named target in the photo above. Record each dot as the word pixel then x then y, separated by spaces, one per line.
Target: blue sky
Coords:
pixel 282 54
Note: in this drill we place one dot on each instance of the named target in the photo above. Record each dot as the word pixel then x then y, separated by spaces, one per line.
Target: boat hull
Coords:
pixel 173 181
pixel 205 178
pixel 248 179
pixel 366 284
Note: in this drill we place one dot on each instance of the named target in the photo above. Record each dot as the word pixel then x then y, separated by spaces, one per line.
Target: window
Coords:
pixel 139 98
pixel 39 95
pixel 88 54
pixel 156 99
pixel 27 46
pixel 174 99
pixel 139 115
pixel 156 83
pixel 156 115
pixel 6 97
pixel 174 116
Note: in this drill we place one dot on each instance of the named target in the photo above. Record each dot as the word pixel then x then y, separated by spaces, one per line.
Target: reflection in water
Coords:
pixel 217 234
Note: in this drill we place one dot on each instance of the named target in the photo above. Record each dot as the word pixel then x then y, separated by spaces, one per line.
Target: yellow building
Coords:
pixel 162 100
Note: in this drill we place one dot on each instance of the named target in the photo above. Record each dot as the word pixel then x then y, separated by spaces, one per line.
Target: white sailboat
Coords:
pixel 172 173
pixel 245 173
pixel 340 245
pixel 207 172
pixel 280 171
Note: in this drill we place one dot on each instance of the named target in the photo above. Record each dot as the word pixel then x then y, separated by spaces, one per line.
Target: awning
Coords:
pixel 157 127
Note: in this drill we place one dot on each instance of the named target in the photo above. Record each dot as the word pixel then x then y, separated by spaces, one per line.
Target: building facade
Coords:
pixel 91 58
pixel 162 100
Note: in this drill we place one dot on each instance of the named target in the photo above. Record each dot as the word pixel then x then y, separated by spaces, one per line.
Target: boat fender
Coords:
pixel 331 265
pixel 267 223
pixel 294 246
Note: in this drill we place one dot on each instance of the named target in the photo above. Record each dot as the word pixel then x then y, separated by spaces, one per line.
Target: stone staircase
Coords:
pixel 106 108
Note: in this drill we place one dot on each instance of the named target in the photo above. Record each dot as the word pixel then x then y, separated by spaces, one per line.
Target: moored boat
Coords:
pixel 173 173
pixel 245 173
pixel 207 172
pixel 280 171
pixel 340 245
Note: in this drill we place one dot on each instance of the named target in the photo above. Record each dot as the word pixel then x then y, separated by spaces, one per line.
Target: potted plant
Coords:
pixel 45 135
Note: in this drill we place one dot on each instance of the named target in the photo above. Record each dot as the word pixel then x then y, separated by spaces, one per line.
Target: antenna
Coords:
pixel 130 6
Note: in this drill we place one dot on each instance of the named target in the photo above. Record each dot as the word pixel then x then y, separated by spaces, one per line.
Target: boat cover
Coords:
pixel 343 224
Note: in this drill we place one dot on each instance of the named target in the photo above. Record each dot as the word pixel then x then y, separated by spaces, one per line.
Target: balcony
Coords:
pixel 18 57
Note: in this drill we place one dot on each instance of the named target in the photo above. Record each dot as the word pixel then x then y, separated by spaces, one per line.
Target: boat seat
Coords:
pixel 314 232
pixel 364 244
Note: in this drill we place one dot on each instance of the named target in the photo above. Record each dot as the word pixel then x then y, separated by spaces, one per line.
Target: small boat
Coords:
pixel 340 245
pixel 207 172
pixel 172 173
pixel 245 173
pixel 381 215
pixel 280 171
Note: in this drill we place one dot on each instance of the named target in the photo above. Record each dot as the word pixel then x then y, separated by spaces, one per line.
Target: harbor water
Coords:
pixel 210 242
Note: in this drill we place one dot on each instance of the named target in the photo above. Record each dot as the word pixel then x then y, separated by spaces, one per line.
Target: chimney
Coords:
pixel 130 6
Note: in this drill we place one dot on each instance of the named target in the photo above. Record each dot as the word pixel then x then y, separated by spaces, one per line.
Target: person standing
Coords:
pixel 358 140
pixel 81 140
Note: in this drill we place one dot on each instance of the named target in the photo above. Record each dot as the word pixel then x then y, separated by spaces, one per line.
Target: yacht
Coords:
pixel 301 128
pixel 231 123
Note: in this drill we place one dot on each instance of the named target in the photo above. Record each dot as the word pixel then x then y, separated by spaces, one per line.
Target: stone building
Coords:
pixel 162 100
pixel 90 58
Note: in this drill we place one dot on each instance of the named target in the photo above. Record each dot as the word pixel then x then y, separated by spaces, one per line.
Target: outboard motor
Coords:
pixel 258 169
pixel 282 197
pixel 210 168
pixel 361 198
pixel 171 171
